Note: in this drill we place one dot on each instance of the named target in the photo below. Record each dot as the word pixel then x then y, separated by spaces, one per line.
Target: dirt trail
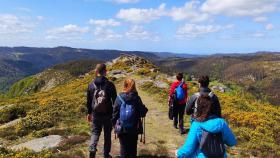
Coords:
pixel 161 138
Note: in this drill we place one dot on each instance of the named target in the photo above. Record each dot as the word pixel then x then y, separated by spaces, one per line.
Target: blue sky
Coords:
pixel 181 26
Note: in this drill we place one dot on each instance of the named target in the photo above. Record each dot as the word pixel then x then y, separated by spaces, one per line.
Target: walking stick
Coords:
pixel 144 128
pixel 141 136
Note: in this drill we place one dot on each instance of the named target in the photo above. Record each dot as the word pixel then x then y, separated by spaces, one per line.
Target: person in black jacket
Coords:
pixel 128 137
pixel 101 95
pixel 203 90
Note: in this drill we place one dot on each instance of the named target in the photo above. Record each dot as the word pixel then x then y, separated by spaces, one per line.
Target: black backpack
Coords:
pixel 100 99
pixel 212 144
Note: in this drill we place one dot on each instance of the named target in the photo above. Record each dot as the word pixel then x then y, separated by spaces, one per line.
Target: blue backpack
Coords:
pixel 127 116
pixel 180 92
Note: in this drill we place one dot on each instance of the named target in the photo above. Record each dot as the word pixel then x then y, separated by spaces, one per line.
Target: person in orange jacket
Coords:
pixel 178 96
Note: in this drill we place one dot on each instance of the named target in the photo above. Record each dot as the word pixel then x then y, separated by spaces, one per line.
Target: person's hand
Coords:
pixel 89 117
pixel 176 151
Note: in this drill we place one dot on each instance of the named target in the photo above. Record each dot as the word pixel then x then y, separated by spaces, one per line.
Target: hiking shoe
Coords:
pixel 182 131
pixel 92 154
pixel 107 156
pixel 175 126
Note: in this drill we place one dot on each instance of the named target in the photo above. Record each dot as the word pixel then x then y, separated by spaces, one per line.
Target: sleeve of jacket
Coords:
pixel 217 106
pixel 116 111
pixel 142 108
pixel 228 136
pixel 191 143
pixel 190 104
pixel 172 89
pixel 90 91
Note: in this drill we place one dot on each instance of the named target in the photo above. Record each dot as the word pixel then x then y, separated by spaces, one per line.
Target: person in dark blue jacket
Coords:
pixel 128 136
pixel 205 120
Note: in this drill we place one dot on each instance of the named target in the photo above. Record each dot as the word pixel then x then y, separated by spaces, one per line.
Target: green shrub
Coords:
pixel 11 113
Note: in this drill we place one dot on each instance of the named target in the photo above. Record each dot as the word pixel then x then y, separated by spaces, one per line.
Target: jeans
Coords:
pixel 100 122
pixel 179 111
pixel 128 144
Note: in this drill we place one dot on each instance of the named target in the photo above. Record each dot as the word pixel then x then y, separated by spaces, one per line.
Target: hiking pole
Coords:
pixel 141 136
pixel 144 131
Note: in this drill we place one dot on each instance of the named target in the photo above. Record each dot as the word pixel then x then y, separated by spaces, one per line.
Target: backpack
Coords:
pixel 212 145
pixel 211 94
pixel 180 92
pixel 127 118
pixel 100 100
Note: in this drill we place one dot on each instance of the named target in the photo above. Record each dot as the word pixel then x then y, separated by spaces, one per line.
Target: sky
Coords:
pixel 178 26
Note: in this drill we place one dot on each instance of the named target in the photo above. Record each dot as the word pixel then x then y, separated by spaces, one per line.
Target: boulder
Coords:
pixel 161 84
pixel 40 144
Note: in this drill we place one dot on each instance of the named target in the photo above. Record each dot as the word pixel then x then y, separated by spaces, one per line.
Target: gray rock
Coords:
pixel 222 89
pixel 161 84
pixel 11 123
pixel 40 144
pixel 6 106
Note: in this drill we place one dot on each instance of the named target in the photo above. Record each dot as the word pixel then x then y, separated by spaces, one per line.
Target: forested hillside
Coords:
pixel 258 73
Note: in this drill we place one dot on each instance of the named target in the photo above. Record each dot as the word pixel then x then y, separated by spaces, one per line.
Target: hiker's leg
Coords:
pixel 133 146
pixel 124 146
pixel 175 115
pixel 107 136
pixel 181 117
pixel 96 131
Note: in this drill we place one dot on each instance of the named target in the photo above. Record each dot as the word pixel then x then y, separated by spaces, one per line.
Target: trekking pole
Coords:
pixel 141 136
pixel 144 131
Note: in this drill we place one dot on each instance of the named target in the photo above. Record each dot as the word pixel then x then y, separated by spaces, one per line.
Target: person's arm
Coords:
pixel 89 99
pixel 142 108
pixel 90 92
pixel 228 136
pixel 218 110
pixel 113 93
pixel 171 92
pixel 116 111
pixel 190 105
pixel 191 143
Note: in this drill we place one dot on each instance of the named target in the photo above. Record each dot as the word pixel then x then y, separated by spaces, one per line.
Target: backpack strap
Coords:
pixel 181 84
pixel 121 99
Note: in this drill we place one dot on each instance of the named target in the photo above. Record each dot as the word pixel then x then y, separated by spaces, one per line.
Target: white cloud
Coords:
pixel 23 9
pixel 126 1
pixel 190 11
pixel 139 33
pixel 269 27
pixel 136 15
pixel 104 23
pixel 240 7
pixel 40 18
pixel 102 34
pixel 193 30
pixel 258 34
pixel 260 19
pixel 67 32
pixel 11 24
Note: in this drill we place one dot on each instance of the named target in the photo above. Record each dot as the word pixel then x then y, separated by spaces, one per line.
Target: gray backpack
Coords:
pixel 100 100
pixel 211 94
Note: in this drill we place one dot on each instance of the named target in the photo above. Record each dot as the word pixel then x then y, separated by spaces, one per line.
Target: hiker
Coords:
pixel 208 134
pixel 203 90
pixel 178 97
pixel 127 114
pixel 101 95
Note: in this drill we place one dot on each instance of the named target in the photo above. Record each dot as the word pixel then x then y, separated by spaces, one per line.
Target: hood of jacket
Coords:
pixel 131 96
pixel 100 80
pixel 213 125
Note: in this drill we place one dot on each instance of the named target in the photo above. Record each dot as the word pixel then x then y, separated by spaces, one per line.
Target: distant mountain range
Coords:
pixel 17 63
